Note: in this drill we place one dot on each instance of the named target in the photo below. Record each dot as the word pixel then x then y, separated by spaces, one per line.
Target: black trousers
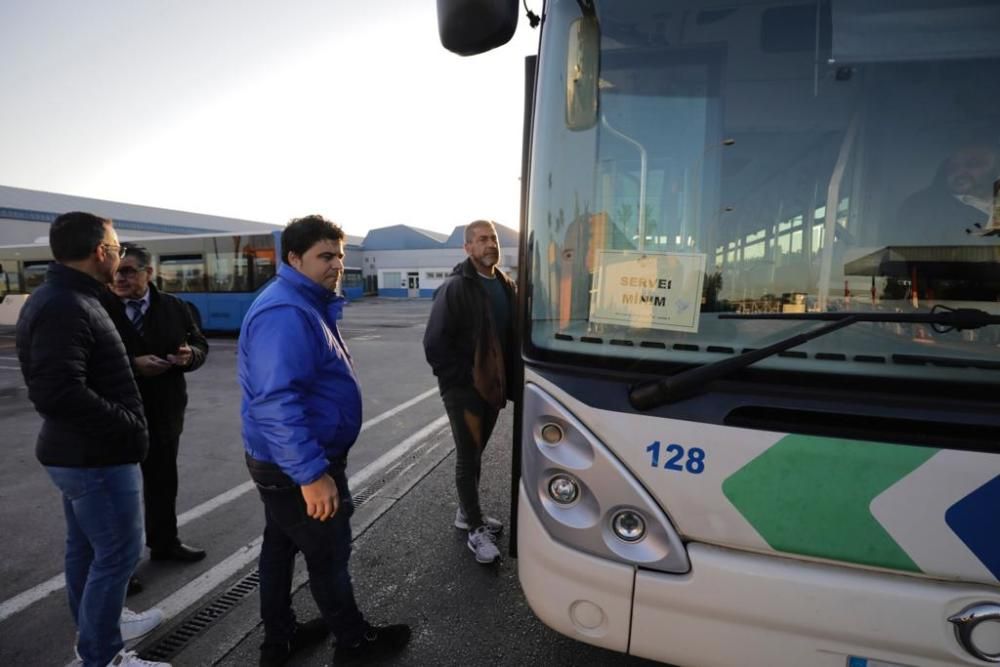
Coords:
pixel 472 421
pixel 326 546
pixel 159 489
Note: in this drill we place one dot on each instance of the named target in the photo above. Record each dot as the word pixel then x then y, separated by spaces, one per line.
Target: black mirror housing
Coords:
pixel 470 27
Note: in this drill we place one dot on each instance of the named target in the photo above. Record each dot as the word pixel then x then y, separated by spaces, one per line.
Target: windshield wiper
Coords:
pixel 649 395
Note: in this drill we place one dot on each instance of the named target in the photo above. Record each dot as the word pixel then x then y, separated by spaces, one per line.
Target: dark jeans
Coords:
pixel 159 490
pixel 326 546
pixel 472 421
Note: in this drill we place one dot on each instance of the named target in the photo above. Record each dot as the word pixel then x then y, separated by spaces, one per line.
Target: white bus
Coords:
pixel 760 309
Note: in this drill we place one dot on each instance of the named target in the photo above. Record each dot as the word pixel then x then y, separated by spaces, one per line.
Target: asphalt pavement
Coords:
pixel 410 565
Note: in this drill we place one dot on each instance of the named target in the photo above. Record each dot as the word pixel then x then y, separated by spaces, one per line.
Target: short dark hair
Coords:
pixel 74 235
pixel 477 223
pixel 303 233
pixel 142 256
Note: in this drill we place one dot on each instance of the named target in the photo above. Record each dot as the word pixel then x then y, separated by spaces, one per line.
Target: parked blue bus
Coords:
pixel 219 274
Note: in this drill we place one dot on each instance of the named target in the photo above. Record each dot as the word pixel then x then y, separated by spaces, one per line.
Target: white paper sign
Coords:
pixel 651 290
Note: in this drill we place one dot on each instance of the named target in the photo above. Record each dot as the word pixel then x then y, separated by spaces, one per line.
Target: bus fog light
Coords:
pixel 552 434
pixel 628 525
pixel 564 489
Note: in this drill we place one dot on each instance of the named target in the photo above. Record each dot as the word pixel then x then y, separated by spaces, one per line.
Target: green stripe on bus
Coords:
pixel 811 496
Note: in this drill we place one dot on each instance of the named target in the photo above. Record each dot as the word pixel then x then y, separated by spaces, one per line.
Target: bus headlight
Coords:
pixel 563 489
pixel 552 434
pixel 584 495
pixel 628 525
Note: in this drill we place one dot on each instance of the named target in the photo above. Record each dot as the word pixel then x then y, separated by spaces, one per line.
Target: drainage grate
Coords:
pixel 170 645
pixel 182 635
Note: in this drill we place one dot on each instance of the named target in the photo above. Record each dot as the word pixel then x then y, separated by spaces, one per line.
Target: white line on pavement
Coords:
pixel 396 410
pixel 213 503
pixel 194 590
pixel 177 602
pixel 394 454
pixel 11 368
pixel 29 597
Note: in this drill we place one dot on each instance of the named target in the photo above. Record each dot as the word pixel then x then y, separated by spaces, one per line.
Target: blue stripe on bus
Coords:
pixel 976 520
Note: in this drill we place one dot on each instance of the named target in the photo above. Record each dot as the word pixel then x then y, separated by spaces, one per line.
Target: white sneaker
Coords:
pixel 134 625
pixel 132 659
pixel 495 526
pixel 481 543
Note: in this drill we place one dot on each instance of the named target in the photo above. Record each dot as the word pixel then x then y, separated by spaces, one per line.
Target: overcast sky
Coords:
pixel 262 110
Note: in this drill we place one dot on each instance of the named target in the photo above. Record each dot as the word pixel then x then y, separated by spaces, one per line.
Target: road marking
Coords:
pixel 22 601
pixel 194 590
pixel 394 454
pixel 396 410
pixel 10 368
pixel 213 503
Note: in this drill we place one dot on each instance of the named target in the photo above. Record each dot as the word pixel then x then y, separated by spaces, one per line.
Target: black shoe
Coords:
pixel 305 634
pixel 377 641
pixel 134 586
pixel 179 552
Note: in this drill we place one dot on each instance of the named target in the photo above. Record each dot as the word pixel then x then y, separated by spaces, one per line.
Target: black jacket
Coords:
pixel 460 336
pixel 167 324
pixel 933 216
pixel 78 375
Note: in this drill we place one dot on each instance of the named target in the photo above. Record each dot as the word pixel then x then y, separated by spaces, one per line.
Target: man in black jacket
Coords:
pixel 958 205
pixel 93 432
pixel 164 343
pixel 469 343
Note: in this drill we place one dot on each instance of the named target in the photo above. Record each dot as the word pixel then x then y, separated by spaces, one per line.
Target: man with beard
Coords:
pixel 93 433
pixel 469 343
pixel 957 206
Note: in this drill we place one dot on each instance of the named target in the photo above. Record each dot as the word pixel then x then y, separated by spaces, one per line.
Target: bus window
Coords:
pixel 227 264
pixel 259 252
pixel 739 180
pixel 181 273
pixel 10 279
pixel 239 263
pixel 34 274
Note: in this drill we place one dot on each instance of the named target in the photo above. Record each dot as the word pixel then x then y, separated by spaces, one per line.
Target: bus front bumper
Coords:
pixel 739 609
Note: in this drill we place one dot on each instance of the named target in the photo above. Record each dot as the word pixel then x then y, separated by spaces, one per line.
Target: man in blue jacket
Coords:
pixel 301 412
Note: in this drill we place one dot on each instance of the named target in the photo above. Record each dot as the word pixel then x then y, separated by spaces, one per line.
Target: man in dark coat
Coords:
pixel 164 343
pixel 956 208
pixel 470 345
pixel 93 432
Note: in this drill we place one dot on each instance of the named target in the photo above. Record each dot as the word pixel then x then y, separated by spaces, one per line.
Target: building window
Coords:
pixel 393 279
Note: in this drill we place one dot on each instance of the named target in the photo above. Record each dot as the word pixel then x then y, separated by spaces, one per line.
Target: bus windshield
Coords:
pixel 752 158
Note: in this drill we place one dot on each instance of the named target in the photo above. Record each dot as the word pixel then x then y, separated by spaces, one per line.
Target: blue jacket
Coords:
pixel 301 404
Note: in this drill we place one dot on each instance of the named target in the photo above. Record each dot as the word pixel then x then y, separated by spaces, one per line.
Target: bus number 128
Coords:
pixel 694 463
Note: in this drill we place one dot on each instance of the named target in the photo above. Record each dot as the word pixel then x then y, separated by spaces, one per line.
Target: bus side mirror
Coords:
pixel 470 27
pixel 582 70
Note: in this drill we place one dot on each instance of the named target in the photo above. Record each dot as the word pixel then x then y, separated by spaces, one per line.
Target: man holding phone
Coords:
pixel 164 342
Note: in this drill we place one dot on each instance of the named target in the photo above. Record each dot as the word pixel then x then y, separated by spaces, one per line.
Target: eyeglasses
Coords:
pixel 127 272
pixel 121 250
